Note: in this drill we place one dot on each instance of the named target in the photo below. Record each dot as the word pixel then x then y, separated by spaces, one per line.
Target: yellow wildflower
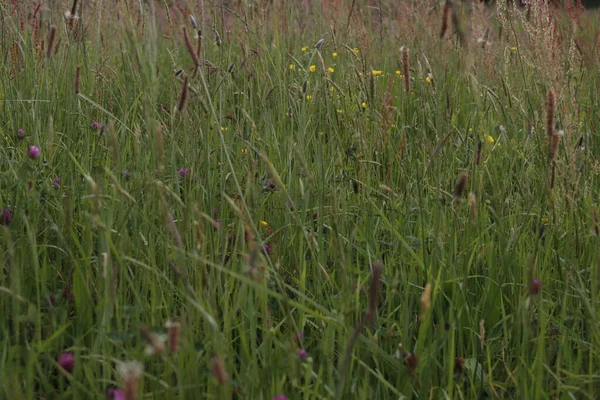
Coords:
pixel 339 111
pixel 330 69
pixel 364 104
pixel 490 139
pixel 263 223
pixel 292 67
pixel 224 129
pixel 513 48
pixel 399 73
pixel 322 133
pixel 428 80
pixel 334 54
pixel 331 89
pixel 312 68
pixel 545 220
pixel 308 97
pixel 304 48
pixel 375 73
pixel 356 50
pixel 244 151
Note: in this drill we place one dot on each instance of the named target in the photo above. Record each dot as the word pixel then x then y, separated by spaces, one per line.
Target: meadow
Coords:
pixel 299 200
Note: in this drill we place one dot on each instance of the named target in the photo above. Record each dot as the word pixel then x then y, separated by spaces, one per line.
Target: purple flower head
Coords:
pixel 279 397
pixel 217 225
pixel 6 217
pixel 302 354
pixel 21 134
pixel 56 183
pixel 216 212
pixel 67 294
pixel 96 125
pixel 271 185
pixel 115 394
pixel 183 172
pixel 535 287
pixel 126 174
pixel 266 249
pixel 33 152
pixel 67 362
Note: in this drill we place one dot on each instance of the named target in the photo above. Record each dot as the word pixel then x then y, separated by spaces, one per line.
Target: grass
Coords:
pixel 310 228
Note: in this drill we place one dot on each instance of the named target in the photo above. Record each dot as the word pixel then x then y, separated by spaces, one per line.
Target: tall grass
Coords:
pixel 226 206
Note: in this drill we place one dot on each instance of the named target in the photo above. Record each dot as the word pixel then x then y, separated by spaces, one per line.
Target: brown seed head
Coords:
pixel 461 184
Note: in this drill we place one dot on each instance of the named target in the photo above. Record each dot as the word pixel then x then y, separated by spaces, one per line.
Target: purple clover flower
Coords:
pixel 56 183
pixel 279 397
pixel 302 354
pixel 183 172
pixel 115 394
pixel 6 217
pixel 67 362
pixel 33 152
pixel 126 174
pixel 21 134
pixel 266 249
pixel 535 287
pixel 96 125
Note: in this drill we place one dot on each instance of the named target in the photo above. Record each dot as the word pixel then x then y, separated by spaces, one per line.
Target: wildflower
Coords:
pixel 67 362
pixel 364 104
pixel 115 394
pixel 490 139
pixel 411 361
pixel 331 89
pixel 302 354
pixel 126 174
pixel 305 48
pixel 183 172
pixel 339 111
pixel 263 223
pixel 513 48
pixel 376 73
pixel 271 185
pixel 428 79
pixel 224 129
pixel 334 54
pixel 20 134
pixel 312 68
pixel 217 225
pixel 308 97
pixel 244 151
pixel 266 249
pixel 56 183
pixel 130 373
pixel 292 67
pixel 279 397
pixel 33 152
pixel 399 73
pixel 356 50
pixel 535 287
pixel 96 125
pixel 330 70
pixel 545 220
pixel 322 133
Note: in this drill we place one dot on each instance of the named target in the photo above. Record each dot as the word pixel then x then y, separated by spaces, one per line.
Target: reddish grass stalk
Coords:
pixel 406 68
pixel 190 48
pixel 445 18
pixel 77 79
pixel 184 92
pixel 218 369
pixel 51 40
pixel 550 114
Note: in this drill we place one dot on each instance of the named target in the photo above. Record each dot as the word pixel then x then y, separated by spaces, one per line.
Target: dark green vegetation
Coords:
pixel 384 214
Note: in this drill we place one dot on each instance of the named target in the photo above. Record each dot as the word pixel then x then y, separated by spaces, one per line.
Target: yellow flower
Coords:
pixel 322 133
pixel 334 54
pixel 331 89
pixel 308 97
pixel 490 139
pixel 398 73
pixel 339 111
pixel 330 69
pixel 545 220
pixel 263 223
pixel 428 80
pixel 513 48
pixel 244 150
pixel 292 67
pixel 304 48
pixel 375 73
pixel 364 104
pixel 356 50
pixel 224 129
pixel 312 68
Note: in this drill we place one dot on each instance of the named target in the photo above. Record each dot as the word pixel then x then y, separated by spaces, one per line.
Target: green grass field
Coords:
pixel 299 200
